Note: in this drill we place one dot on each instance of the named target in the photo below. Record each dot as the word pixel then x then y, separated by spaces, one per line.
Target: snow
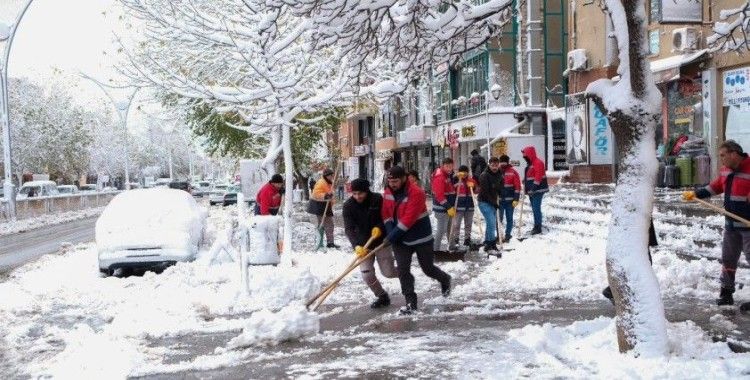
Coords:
pixel 586 347
pixel 162 217
pixel 266 327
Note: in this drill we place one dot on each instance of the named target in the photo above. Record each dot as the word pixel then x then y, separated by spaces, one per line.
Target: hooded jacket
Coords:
pixel 535 176
pixel 511 184
pixel 405 215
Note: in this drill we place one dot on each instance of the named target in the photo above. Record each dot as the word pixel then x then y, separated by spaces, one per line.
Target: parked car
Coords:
pixel 202 188
pixel 217 193
pixel 181 185
pixel 67 189
pixel 230 197
pixel 108 189
pixel 88 188
pixel 149 229
pixel 37 189
pixel 162 182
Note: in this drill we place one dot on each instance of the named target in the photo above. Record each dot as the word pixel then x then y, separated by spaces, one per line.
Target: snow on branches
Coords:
pixel 731 34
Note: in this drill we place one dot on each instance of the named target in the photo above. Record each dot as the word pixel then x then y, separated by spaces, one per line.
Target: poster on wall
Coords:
pixel 601 139
pixel 737 87
pixel 681 10
pixel 576 130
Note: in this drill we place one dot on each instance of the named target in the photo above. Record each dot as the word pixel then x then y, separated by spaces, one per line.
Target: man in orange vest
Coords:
pixel 321 196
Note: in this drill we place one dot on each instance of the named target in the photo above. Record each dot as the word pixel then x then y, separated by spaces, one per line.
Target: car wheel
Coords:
pixel 103 272
pixel 211 203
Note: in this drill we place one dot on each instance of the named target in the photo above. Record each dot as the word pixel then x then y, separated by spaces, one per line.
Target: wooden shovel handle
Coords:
pixel 723 211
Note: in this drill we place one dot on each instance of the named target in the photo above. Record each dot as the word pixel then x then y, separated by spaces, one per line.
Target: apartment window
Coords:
pixel 654 44
pixel 469 86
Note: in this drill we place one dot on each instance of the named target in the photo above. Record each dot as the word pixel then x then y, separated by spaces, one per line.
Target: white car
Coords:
pixel 216 195
pixel 88 188
pixel 202 188
pixel 33 189
pixel 67 189
pixel 149 229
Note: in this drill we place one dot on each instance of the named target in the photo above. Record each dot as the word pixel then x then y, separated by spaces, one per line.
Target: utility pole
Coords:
pixel 122 105
pixel 7 33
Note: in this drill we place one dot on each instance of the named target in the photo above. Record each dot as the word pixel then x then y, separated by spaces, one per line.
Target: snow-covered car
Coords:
pixel 149 229
pixel 88 188
pixel 108 189
pixel 216 195
pixel 37 189
pixel 230 196
pixel 67 189
pixel 201 188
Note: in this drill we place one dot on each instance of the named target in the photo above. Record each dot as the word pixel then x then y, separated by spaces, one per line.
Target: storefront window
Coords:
pixel 685 116
pixel 737 120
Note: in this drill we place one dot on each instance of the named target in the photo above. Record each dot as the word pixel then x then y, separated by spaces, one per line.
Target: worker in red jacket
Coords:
pixel 268 199
pixel 408 229
pixel 535 183
pixel 734 183
pixel 443 199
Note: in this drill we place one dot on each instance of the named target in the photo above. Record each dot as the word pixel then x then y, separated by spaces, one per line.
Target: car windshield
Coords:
pixel 233 189
pixel 220 187
pixel 204 184
pixel 30 190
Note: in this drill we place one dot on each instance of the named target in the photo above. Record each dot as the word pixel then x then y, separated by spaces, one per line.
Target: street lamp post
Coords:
pixel 495 91
pixel 123 110
pixel 7 32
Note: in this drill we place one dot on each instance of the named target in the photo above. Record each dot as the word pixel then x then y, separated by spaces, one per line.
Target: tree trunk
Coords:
pixel 288 199
pixel 641 325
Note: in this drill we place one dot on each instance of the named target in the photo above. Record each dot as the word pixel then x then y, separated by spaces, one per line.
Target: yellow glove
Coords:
pixel 514 204
pixel 452 212
pixel 470 184
pixel 376 232
pixel 461 175
pixel 360 251
pixel 688 195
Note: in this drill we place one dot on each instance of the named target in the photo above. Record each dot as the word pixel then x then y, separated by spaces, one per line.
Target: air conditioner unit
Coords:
pixel 685 39
pixel 578 60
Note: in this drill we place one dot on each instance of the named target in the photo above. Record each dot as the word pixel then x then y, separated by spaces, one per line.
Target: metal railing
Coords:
pixel 55 204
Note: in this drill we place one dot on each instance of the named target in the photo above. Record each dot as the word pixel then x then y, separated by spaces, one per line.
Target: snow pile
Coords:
pixel 276 287
pixel 162 217
pixel 587 347
pixel 267 328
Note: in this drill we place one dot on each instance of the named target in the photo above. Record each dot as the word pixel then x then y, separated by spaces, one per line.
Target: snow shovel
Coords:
pixel 373 236
pixel 520 218
pixel 452 220
pixel 722 211
pixel 321 297
pixel 476 207
pixel 325 211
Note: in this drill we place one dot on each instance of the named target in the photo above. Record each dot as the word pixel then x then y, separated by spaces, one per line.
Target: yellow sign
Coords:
pixel 468 131
pixel 499 148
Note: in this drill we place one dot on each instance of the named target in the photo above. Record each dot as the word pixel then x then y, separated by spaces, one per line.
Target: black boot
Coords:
pixel 467 242
pixel 536 230
pixel 332 245
pixel 411 305
pixel 382 301
pixel 445 287
pixel 725 297
pixel 506 239
pixel 607 293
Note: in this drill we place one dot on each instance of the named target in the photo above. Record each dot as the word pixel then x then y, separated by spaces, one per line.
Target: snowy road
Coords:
pixel 19 248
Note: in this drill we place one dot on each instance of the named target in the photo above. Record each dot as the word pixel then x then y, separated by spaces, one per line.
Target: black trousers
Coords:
pixel 426 259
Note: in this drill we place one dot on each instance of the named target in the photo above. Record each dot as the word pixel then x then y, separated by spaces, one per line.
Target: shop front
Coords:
pixel 414 151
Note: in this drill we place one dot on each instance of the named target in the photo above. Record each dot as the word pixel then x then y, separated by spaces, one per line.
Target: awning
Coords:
pixel 668 69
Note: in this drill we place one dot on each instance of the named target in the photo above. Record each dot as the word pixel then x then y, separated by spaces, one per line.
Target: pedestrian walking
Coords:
pixel 443 200
pixel 491 184
pixel 408 229
pixel 734 182
pixel 268 199
pixel 478 164
pixel 464 208
pixel 509 195
pixel 535 184
pixel 321 202
pixel 362 213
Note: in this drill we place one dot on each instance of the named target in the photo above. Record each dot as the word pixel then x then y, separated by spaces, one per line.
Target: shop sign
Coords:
pixel 500 147
pixel 361 150
pixel 601 137
pixel 682 98
pixel 384 155
pixel 737 87
pixel 353 167
pixel 468 131
pixel 412 134
pixel 681 10
pixel 576 130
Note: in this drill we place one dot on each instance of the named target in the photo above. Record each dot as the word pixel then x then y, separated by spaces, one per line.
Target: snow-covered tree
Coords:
pixel 731 33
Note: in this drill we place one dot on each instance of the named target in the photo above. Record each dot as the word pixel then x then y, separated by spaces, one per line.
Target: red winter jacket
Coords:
pixel 268 200
pixel 512 184
pixel 405 215
pixel 735 184
pixel 535 176
pixel 443 192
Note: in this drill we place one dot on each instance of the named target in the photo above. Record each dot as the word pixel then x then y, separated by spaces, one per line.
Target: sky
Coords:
pixel 58 39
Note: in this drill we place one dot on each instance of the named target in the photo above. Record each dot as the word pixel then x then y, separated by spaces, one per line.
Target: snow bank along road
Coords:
pixel 19 248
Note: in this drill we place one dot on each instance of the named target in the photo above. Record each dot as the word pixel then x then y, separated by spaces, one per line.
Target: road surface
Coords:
pixel 20 248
